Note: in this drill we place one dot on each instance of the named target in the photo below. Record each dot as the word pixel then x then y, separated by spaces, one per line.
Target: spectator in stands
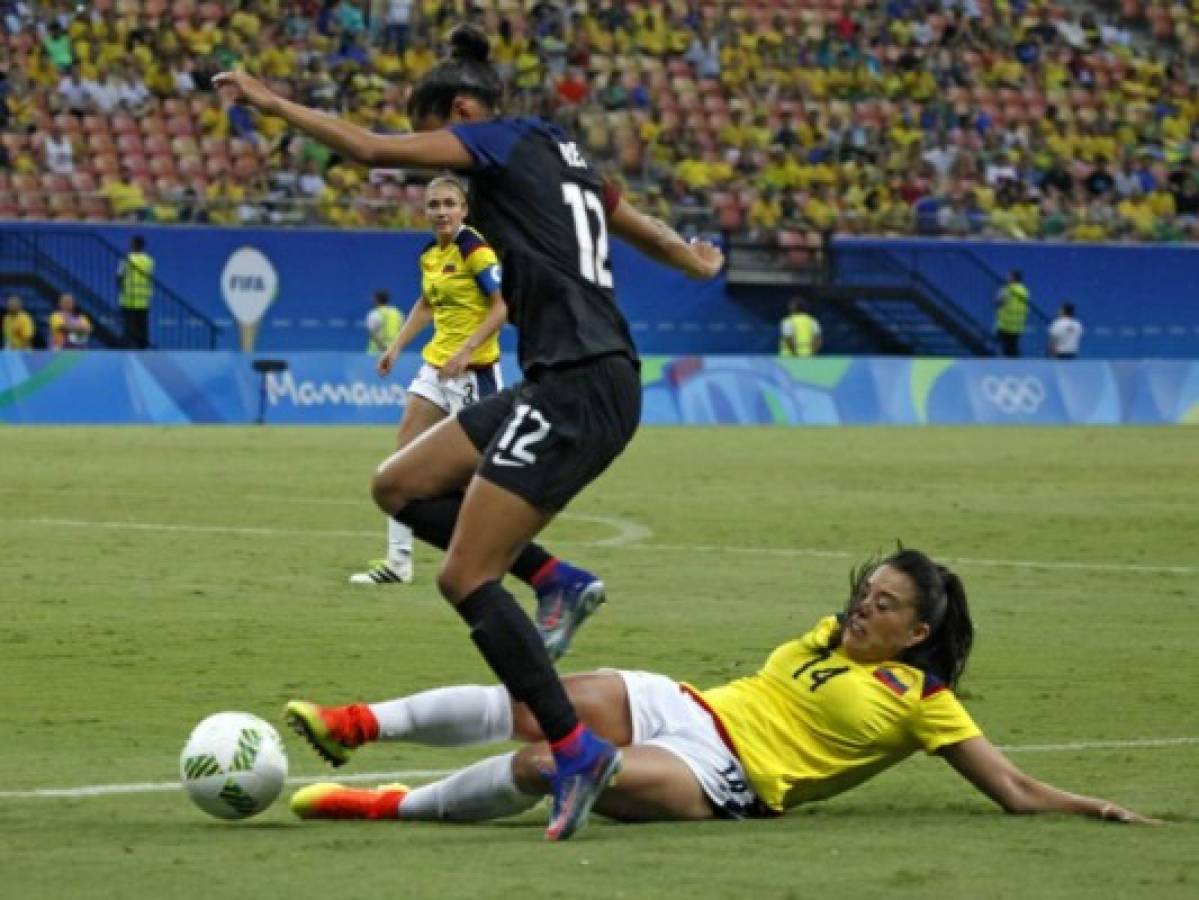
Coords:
pixel 310 183
pixel 131 91
pixel 799 332
pixel 765 214
pixel 59 153
pixel 19 330
pixel 125 196
pixel 76 91
pixel 397 24
pixel 183 76
pixel 1011 313
pixel 1065 334
pixel 57 44
pixel 704 53
pixel 135 289
pixel 104 92
pixel 1100 182
pixel 69 328
pixel 242 123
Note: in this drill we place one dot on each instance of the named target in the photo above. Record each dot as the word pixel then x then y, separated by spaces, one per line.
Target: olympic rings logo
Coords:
pixel 1011 394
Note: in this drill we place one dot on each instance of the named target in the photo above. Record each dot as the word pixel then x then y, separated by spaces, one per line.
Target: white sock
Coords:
pixel 447 717
pixel 477 793
pixel 399 539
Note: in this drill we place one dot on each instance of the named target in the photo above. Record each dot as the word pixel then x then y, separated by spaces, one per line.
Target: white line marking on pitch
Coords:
pixel 158 787
pixel 630 536
pixel 155 787
pixel 626 531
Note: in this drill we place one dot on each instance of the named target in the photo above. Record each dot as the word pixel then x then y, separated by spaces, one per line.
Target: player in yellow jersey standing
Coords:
pixel 854 696
pixel 461 297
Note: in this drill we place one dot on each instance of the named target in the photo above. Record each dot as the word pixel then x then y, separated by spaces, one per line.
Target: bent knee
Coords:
pixel 457 581
pixel 388 491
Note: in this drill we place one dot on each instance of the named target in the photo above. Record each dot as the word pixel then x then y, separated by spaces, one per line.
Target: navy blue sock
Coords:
pixel 513 649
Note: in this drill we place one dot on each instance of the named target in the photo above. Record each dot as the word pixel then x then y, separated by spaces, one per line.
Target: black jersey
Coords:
pixel 538 200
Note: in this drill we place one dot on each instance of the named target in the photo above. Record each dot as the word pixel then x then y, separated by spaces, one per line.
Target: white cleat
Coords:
pixel 386 571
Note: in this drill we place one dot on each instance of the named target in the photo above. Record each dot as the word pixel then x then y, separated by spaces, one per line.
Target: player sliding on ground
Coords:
pixel 851 698
pixel 524 453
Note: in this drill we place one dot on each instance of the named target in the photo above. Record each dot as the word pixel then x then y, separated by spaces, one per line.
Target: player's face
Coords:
pixel 446 209
pixel 883 622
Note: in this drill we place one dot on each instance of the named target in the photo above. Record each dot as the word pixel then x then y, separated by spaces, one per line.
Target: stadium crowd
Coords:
pixel 784 120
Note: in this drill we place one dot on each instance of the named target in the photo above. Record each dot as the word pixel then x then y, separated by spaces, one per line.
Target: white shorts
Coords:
pixel 665 716
pixel 454 394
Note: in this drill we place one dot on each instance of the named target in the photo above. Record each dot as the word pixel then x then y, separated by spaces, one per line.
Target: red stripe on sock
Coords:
pixel 566 742
pixel 546 570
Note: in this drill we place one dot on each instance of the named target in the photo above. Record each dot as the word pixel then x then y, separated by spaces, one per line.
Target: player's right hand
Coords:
pixel 709 259
pixel 386 361
pixel 237 85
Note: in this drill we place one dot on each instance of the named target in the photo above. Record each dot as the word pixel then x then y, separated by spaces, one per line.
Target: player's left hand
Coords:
pixel 1113 813
pixel 709 259
pixel 455 365
pixel 237 85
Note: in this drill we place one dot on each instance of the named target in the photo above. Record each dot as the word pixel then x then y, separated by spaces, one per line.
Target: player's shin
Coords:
pixel 483 791
pixel 513 649
pixel 447 717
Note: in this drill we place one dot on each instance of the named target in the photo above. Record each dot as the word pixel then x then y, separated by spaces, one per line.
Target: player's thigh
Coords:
pixel 654 785
pixel 436 462
pixel 419 416
pixel 494 524
pixel 601 701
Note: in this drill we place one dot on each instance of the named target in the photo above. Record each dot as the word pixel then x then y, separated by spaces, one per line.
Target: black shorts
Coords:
pixel 549 436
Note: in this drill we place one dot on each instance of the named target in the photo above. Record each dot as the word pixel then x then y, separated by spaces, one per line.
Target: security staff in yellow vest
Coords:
pixel 1011 313
pixel 383 324
pixel 135 287
pixel 799 332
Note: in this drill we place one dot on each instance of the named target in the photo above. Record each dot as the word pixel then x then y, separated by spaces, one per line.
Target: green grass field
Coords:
pixel 152 576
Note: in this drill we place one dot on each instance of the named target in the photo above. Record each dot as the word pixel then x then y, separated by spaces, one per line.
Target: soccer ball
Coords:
pixel 233 765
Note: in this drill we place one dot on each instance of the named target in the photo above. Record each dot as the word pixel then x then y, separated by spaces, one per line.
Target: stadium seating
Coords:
pixel 854 111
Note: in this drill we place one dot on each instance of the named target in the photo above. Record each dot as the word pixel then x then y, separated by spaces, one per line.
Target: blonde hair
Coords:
pixel 447 181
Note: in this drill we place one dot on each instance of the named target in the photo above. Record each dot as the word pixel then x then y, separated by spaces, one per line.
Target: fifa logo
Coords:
pixel 247 283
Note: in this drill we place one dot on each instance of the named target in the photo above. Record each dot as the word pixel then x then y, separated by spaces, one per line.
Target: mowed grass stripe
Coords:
pixel 811 552
pixel 151 787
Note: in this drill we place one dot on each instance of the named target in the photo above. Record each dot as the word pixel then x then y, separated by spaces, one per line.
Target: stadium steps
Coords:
pixel 50 261
pixel 897 320
pixel 40 299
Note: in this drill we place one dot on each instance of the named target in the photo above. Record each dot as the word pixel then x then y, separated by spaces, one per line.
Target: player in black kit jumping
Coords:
pixel 521 454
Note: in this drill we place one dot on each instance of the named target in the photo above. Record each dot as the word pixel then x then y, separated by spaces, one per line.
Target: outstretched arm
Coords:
pixel 980 763
pixel 430 149
pixel 658 241
pixel 419 316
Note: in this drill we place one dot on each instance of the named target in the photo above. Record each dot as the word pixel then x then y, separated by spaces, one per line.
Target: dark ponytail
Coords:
pixel 945 651
pixel 466 70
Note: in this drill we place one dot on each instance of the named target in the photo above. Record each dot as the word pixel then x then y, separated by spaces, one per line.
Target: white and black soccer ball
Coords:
pixel 233 765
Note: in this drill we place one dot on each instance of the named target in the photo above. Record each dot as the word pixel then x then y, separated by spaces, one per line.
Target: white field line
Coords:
pixel 156 787
pixel 628 535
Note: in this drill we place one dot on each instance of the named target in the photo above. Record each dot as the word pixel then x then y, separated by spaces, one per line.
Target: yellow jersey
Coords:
pixel 18 331
pixel 457 281
pixel 813 723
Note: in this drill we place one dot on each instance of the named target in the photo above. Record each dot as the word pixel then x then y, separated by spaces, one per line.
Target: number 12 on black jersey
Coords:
pixel 593 249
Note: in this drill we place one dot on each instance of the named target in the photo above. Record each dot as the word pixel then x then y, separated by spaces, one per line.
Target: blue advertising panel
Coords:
pixel 343 388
